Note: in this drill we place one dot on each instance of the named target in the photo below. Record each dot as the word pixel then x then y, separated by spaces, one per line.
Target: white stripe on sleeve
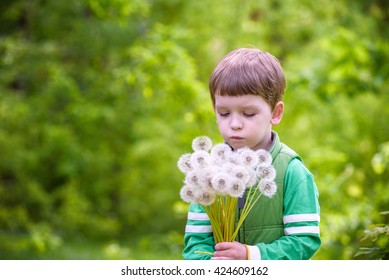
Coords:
pixel 301 218
pixel 198 229
pixel 198 216
pixel 296 230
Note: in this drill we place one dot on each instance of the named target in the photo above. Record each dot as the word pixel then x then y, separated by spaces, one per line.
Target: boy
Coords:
pixel 246 89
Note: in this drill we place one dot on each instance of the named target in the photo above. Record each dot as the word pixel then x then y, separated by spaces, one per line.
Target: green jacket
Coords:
pixel 285 226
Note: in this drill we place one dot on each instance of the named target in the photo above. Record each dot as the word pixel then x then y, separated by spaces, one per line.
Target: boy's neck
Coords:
pixel 271 142
pixel 267 144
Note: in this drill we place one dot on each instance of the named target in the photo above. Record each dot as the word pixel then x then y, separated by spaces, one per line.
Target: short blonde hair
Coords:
pixel 248 71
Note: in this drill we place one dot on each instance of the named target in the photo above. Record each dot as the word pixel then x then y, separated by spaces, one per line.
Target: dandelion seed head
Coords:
pixel 237 188
pixel 206 177
pixel 228 167
pixel 184 164
pixel 192 178
pixel 264 157
pixel 267 172
pixel 201 143
pixel 240 173
pixel 267 187
pixel 220 153
pixel 248 157
pixel 221 182
pixel 234 158
pixel 199 159
pixel 204 197
pixel 187 194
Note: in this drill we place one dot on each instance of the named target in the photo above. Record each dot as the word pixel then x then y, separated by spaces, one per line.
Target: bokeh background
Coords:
pixel 99 98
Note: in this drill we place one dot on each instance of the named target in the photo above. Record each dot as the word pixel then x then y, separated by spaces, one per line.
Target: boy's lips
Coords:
pixel 236 137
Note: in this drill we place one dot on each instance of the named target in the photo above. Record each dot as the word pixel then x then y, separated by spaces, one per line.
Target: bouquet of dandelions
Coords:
pixel 216 176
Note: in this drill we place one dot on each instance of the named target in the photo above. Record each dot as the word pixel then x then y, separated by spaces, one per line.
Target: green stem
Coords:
pixel 204 253
pixel 246 209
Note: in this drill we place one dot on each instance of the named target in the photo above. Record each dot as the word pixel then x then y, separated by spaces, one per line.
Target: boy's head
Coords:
pixel 248 71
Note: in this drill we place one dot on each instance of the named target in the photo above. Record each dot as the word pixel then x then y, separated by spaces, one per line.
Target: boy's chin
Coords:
pixel 237 146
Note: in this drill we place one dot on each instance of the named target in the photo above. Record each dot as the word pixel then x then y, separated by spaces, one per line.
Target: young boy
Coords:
pixel 246 89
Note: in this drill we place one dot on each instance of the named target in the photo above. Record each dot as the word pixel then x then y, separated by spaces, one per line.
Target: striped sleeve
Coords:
pixel 301 224
pixel 301 205
pixel 198 234
pixel 198 223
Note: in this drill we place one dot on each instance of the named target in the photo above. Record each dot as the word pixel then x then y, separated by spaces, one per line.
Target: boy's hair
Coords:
pixel 248 71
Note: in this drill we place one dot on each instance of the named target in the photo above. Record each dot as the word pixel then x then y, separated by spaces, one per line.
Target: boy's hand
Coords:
pixel 230 251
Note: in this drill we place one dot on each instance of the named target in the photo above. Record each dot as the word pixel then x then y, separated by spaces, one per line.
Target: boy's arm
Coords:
pixel 198 234
pixel 301 219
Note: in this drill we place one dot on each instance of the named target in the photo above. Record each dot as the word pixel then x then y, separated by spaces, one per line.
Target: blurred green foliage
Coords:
pixel 99 98
pixel 375 242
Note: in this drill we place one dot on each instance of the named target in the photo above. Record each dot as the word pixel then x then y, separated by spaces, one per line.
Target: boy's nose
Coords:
pixel 236 123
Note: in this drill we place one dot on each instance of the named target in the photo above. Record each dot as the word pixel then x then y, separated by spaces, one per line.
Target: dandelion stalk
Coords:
pixel 204 253
pixel 251 201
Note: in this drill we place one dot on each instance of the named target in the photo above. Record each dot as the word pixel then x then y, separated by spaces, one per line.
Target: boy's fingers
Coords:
pixel 222 254
pixel 222 246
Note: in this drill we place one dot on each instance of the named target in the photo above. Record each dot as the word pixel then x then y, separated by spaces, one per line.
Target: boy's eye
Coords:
pixel 249 115
pixel 224 114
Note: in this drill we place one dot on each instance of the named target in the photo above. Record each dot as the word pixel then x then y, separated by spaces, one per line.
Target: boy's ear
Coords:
pixel 277 113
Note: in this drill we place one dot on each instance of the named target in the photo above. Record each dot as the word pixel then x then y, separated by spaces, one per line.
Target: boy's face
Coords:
pixel 246 121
